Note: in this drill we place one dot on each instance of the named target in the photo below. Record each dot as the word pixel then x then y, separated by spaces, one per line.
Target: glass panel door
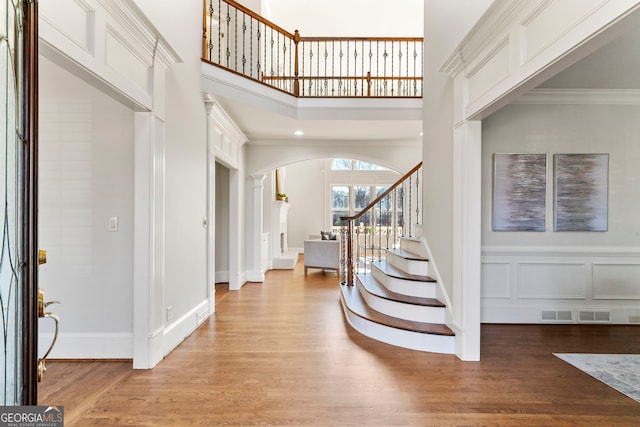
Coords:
pixel 18 236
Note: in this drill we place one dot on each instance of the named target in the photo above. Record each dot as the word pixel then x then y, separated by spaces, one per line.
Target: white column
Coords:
pixel 211 209
pixel 256 210
pixel 148 242
pixel 467 143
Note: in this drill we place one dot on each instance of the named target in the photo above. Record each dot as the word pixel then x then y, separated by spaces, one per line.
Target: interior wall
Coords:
pixel 86 177
pixel 185 159
pixel 308 198
pixel 222 224
pixel 526 273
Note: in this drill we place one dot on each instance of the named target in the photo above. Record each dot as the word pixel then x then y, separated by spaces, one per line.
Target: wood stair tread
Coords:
pixel 374 287
pixel 353 301
pixel 392 271
pixel 408 255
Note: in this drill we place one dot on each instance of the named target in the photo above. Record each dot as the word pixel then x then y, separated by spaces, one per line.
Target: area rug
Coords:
pixel 619 371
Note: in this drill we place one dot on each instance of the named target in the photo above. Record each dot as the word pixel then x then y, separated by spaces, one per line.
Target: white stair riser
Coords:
pixel 410 266
pixel 414 246
pixel 401 338
pixel 405 286
pixel 401 310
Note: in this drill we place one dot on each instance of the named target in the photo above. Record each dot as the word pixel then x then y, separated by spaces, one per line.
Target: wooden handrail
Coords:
pixel 265 78
pixel 370 39
pixel 383 195
pixel 259 18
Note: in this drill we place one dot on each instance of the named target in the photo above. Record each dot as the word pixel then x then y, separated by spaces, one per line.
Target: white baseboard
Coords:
pixel 177 331
pixel 120 346
pixel 87 346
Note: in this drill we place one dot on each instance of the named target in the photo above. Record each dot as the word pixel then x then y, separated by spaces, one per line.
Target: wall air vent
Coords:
pixel 556 315
pixel 594 316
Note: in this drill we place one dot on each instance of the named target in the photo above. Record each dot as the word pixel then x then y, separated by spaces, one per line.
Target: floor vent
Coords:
pixel 594 316
pixel 555 315
pixel 634 318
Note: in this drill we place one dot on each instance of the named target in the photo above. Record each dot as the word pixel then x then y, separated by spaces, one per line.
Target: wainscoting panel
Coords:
pixel 551 280
pixel 560 285
pixel 616 281
pixel 495 280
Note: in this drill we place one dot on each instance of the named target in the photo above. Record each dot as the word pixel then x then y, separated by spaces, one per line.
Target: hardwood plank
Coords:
pixel 280 353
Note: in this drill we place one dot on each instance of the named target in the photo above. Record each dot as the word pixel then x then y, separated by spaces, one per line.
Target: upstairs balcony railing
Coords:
pixel 243 42
pixel 367 235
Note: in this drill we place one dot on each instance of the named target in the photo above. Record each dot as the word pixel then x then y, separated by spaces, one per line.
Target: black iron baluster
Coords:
pixel 251 46
pixel 209 31
pixel 258 35
pixel 271 54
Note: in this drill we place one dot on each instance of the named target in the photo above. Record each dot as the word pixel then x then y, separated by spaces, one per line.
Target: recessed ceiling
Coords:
pixel 262 124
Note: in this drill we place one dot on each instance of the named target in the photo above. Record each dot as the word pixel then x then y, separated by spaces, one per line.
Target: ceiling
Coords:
pixel 615 66
pixel 261 124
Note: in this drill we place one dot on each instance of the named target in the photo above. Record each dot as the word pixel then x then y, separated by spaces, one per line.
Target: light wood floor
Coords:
pixel 280 353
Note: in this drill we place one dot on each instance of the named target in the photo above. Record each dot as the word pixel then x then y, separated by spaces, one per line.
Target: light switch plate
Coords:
pixel 114 224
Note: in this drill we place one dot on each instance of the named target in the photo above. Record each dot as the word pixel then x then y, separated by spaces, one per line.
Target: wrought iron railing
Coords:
pixel 369 234
pixel 245 43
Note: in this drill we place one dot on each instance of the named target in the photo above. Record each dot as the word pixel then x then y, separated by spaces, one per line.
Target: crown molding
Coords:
pixel 581 97
pixel 491 24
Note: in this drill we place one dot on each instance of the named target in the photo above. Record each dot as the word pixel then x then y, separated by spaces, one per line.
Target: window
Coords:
pixel 346 164
pixel 353 185
pixel 340 204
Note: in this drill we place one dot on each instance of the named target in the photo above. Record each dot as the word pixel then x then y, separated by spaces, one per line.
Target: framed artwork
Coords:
pixel 581 192
pixel 519 192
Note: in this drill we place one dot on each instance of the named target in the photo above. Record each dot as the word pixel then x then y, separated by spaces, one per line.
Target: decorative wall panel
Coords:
pixel 616 281
pixel 551 280
pixel 495 280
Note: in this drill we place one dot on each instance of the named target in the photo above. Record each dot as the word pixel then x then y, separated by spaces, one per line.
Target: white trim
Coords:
pixel 580 97
pixel 176 332
pixel 90 345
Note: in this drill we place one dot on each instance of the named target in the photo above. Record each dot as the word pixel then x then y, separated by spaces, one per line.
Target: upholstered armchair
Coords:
pixel 322 254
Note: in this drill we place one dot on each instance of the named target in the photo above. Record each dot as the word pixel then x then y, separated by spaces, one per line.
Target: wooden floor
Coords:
pixel 281 353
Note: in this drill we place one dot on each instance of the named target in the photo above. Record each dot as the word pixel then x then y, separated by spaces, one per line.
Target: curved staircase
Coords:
pixel 396 301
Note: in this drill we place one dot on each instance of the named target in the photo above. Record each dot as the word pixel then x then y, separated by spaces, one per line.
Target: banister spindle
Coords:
pixel 296 81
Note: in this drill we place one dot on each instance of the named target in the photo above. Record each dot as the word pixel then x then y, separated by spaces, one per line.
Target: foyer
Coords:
pixel 281 353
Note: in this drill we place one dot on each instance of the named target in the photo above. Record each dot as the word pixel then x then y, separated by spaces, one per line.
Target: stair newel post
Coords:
pixel 296 79
pixel 418 193
pixel 350 252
